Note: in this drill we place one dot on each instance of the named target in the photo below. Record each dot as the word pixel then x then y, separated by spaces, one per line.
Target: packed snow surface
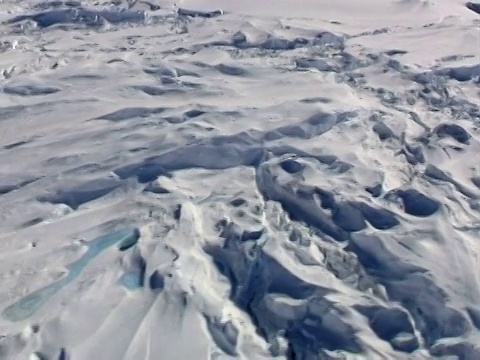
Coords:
pixel 240 179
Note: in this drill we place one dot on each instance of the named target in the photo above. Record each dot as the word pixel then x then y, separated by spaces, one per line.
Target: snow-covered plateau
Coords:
pixel 239 179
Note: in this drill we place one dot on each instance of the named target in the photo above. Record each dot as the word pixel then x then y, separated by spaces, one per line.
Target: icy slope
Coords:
pixel 242 179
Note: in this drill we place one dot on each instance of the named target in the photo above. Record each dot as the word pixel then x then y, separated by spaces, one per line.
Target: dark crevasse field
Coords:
pixel 239 180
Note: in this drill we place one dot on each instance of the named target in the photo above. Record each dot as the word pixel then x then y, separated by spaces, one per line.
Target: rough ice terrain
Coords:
pixel 239 179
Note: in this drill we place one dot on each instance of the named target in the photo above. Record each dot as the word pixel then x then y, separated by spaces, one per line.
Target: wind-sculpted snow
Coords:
pixel 80 16
pixel 293 181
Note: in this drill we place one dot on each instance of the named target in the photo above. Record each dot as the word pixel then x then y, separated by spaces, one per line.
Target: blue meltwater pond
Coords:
pixel 28 305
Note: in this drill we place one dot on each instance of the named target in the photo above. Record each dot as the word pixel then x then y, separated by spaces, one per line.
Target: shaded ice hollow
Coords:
pixel 295 180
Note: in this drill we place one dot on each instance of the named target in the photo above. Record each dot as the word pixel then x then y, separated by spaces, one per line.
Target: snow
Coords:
pixel 281 179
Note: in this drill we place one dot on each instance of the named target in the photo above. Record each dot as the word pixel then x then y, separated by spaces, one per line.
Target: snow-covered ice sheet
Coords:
pixel 213 179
